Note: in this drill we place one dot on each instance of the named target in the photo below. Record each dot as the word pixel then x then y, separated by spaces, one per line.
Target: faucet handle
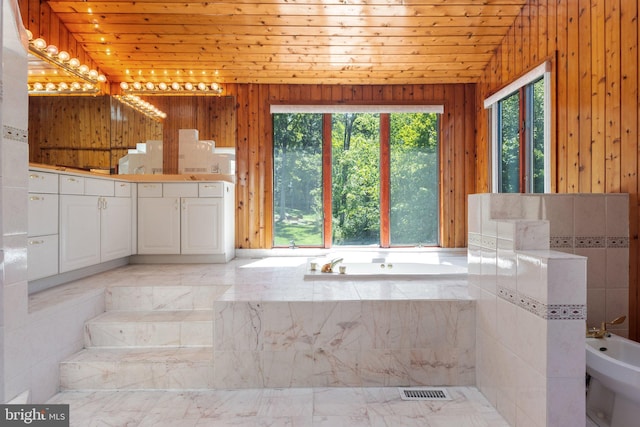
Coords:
pixel 616 321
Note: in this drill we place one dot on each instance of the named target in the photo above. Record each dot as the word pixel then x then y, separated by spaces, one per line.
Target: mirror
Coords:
pixel 73 125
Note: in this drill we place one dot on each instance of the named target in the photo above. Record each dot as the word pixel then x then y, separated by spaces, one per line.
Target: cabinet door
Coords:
pixel 115 224
pixel 201 226
pixel 79 232
pixel 42 214
pixel 42 253
pixel 159 225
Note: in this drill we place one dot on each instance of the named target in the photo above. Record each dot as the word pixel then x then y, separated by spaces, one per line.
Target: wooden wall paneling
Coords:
pixel 242 172
pixel 629 131
pixel 470 157
pixel 598 90
pixel 584 95
pixel 521 47
pixel 446 163
pixel 255 211
pixel 460 170
pixel 573 99
pixel 611 84
pixel 265 167
pixel 534 37
pixel 562 100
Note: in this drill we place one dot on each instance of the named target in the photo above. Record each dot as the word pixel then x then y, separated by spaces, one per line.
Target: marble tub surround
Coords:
pixel 279 330
pixel 343 343
pixel 531 310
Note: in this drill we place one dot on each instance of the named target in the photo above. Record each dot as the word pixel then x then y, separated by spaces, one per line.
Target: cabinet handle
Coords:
pixel 149 186
pixel 104 203
pixel 210 186
pixel 35 198
pixel 34 176
pixel 36 242
pixel 71 180
pixel 123 185
pixel 176 204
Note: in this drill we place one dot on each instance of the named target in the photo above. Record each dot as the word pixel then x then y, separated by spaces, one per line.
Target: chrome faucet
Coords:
pixel 602 332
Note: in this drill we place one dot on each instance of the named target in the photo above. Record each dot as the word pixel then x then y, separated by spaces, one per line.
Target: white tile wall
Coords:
pixel 531 301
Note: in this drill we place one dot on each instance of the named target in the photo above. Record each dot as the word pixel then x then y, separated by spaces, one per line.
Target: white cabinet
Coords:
pixel 159 225
pixel 115 228
pixel 42 220
pixel 95 226
pixel 185 218
pixel 79 231
pixel 201 226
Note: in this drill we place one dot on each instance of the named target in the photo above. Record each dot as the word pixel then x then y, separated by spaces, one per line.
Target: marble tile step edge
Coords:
pixel 138 369
pixel 166 297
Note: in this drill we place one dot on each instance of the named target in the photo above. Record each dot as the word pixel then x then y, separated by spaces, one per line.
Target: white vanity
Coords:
pixel 80 224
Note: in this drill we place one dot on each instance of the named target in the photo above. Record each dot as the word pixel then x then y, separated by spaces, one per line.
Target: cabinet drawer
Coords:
pixel 123 189
pixel 42 214
pixel 172 189
pixel 98 187
pixel 42 253
pixel 42 182
pixel 210 189
pixel 150 189
pixel 71 184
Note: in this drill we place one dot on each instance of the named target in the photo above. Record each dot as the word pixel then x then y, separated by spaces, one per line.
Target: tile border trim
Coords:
pixel 15 134
pixel 544 311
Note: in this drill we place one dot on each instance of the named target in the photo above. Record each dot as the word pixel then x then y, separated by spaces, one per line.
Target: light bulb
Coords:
pixel 137 85
pixel 93 74
pixel 63 56
pixel 102 78
pixel 38 86
pixel 162 86
pixel 124 85
pixel 40 43
pixel 63 86
pixel 50 86
pixel 202 86
pixel 84 69
pixel 76 86
pixel 29 35
pixel 74 62
pixel 150 86
pixel 52 50
pixel 175 86
pixel 188 86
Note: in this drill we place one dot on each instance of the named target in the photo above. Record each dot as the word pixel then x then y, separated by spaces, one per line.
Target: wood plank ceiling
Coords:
pixel 290 41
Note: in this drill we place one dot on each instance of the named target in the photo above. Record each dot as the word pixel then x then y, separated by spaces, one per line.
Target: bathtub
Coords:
pixel 613 368
pixel 386 269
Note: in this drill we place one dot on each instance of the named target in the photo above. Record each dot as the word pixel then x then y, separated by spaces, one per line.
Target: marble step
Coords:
pixel 178 328
pixel 163 297
pixel 138 369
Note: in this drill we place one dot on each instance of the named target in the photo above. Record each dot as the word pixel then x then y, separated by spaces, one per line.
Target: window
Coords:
pixel 377 185
pixel 519 129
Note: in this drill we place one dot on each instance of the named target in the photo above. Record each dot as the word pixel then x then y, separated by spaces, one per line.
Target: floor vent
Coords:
pixel 424 393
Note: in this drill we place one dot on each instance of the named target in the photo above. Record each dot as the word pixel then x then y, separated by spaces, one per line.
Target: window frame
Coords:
pixel 385 111
pixel 491 103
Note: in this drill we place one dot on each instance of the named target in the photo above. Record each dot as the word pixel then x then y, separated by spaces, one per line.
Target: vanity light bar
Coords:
pixel 141 105
pixel 50 88
pixel 63 59
pixel 175 87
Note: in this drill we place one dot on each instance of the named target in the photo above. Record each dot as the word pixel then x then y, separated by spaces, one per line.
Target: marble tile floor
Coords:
pixel 294 407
